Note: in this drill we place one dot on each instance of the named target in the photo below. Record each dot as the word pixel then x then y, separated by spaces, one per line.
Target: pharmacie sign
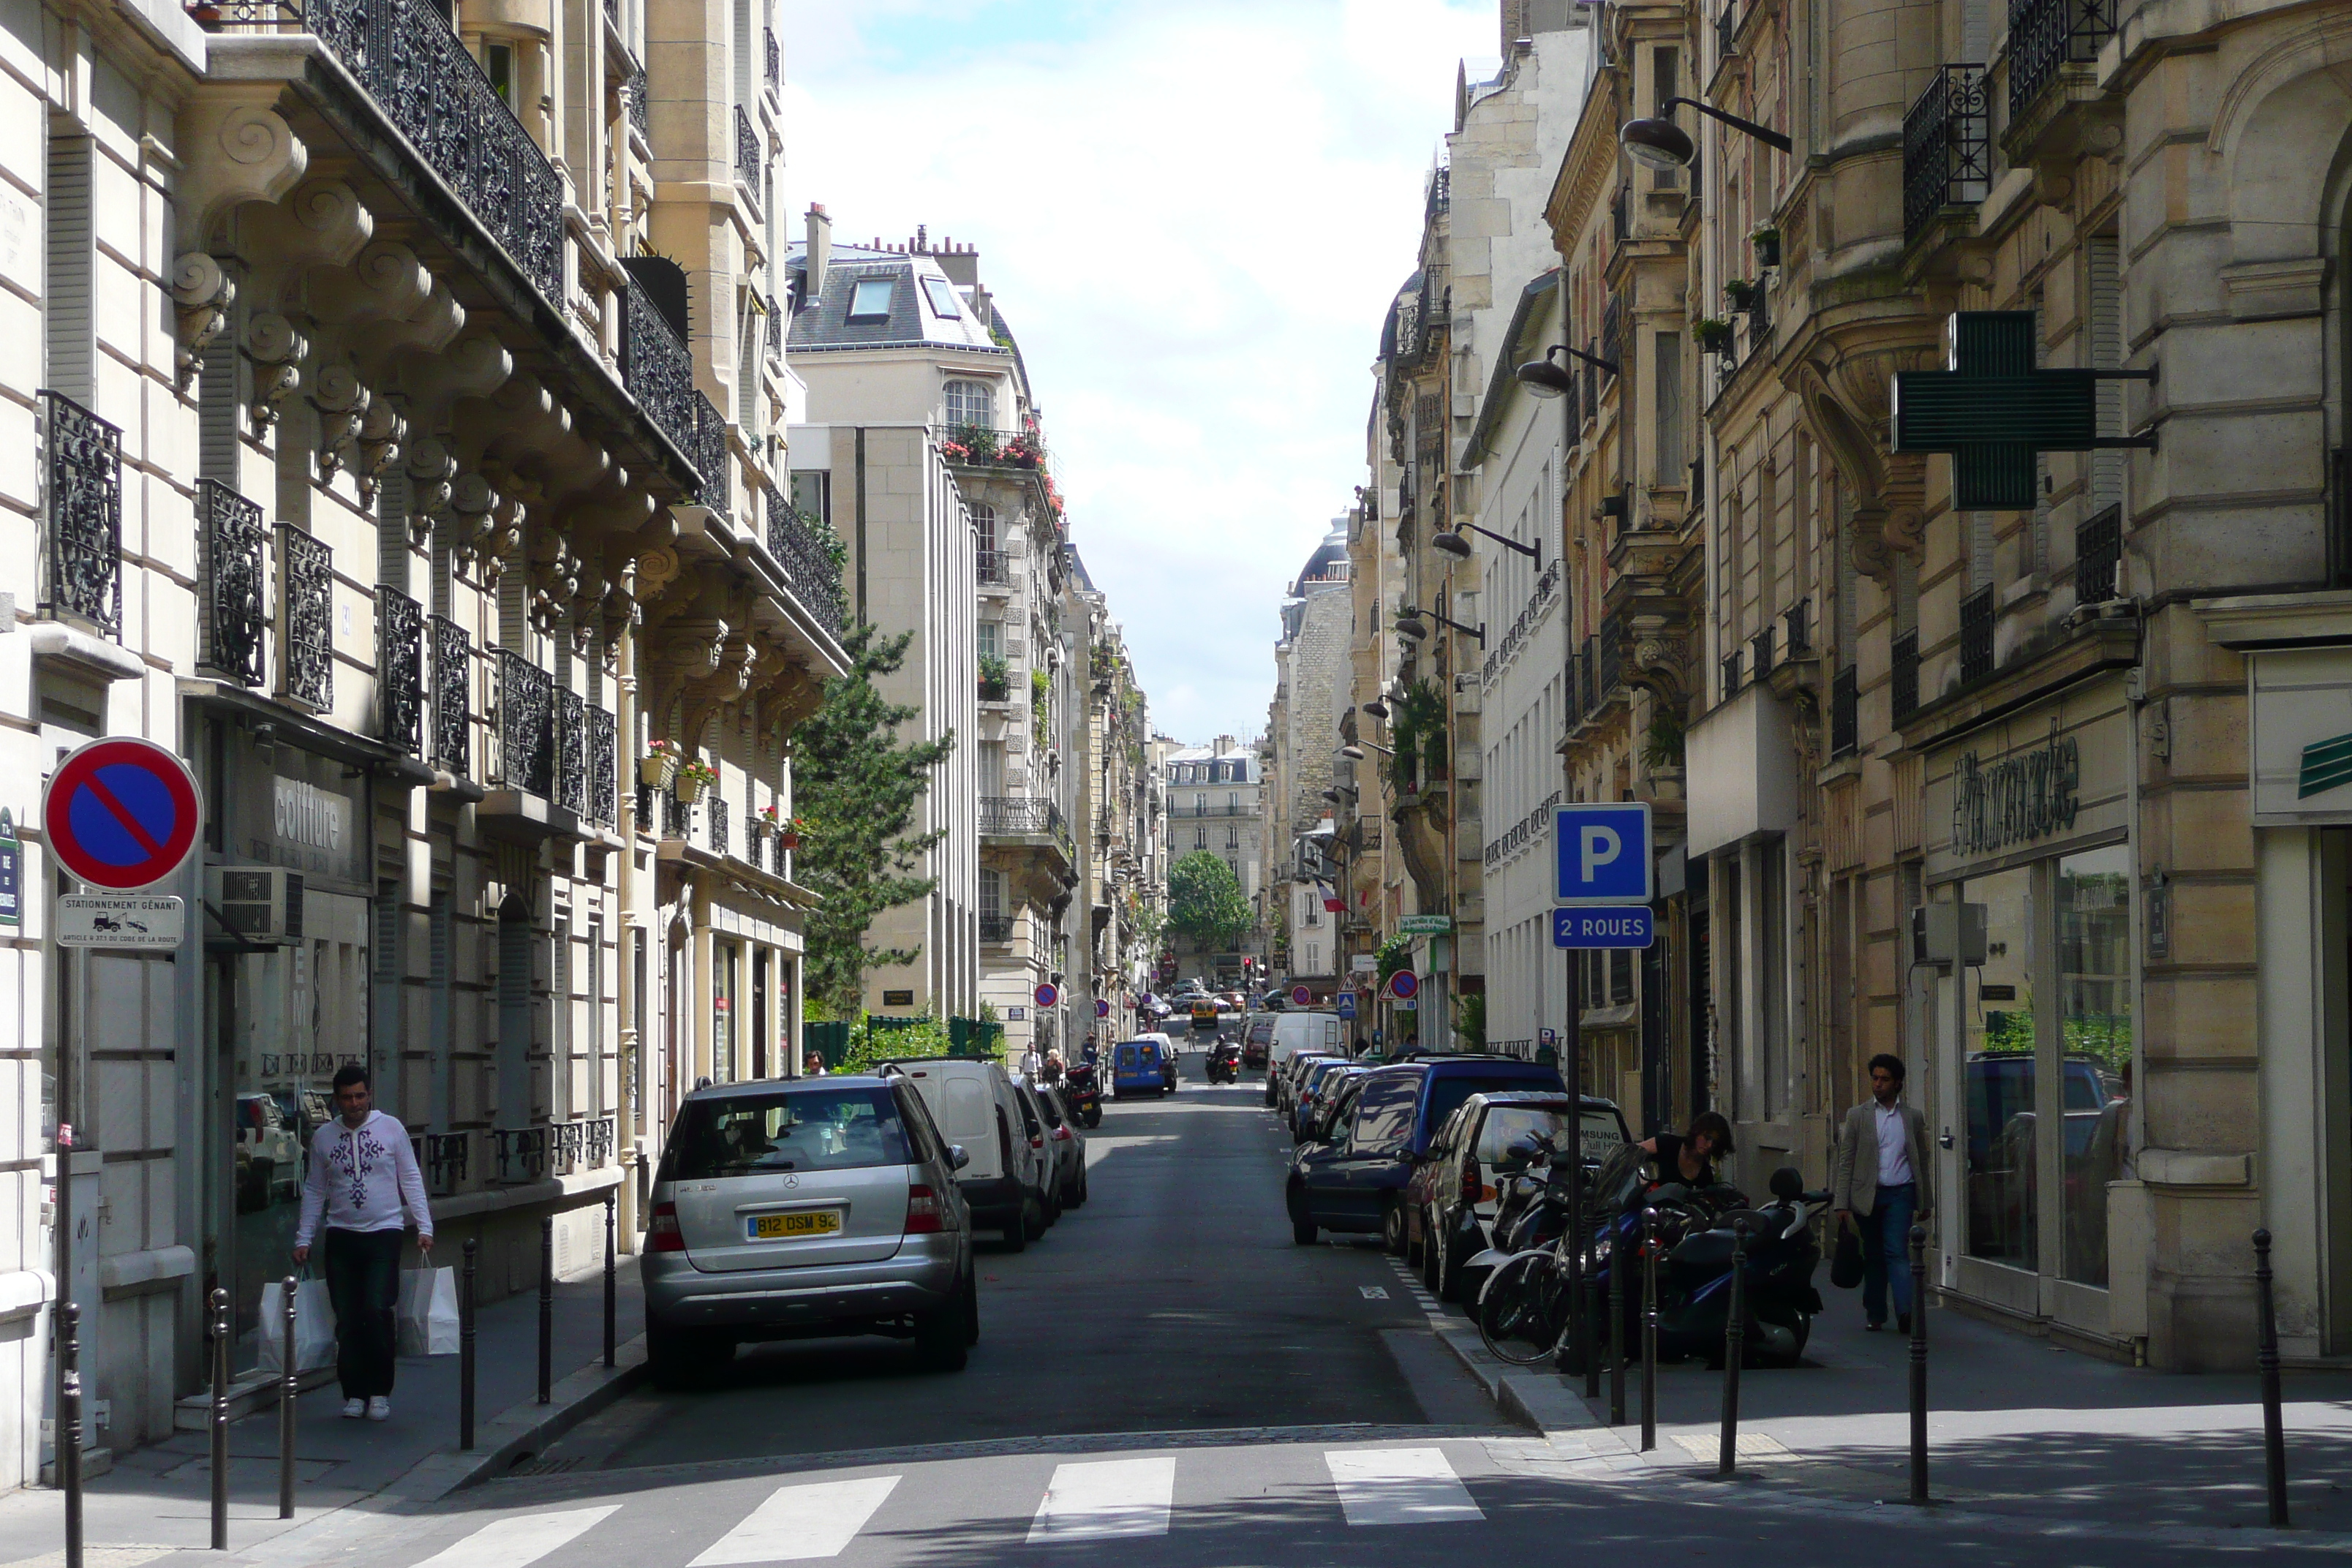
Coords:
pixel 2051 776
pixel 2017 798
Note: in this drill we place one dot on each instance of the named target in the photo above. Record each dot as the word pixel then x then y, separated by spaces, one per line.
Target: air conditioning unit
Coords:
pixel 260 905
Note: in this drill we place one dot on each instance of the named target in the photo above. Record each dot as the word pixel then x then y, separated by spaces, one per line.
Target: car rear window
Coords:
pixel 802 1130
pixel 1450 1090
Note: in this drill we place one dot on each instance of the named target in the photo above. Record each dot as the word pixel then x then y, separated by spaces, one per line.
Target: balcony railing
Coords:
pixel 718 829
pixel 1759 653
pixel 306 619
pixel 2098 552
pixel 659 371
pixel 2045 37
pixel 1731 675
pixel 1947 146
pixel 526 707
pixel 808 566
pixel 637 104
pixel 1588 676
pixel 1008 816
pixel 996 927
pixel 452 660
pixel 1212 811
pixel 1727 30
pixel 1612 329
pixel 400 669
pixel 1611 672
pixel 604 763
pixel 1845 712
pixel 751 159
pixel 709 454
pixel 1620 227
pixel 232 546
pixel 82 576
pixel 1796 630
pixel 1903 678
pixel 571 750
pixel 444 1157
pixel 774 75
pixel 990 567
pixel 1975 635
pixel 520 1152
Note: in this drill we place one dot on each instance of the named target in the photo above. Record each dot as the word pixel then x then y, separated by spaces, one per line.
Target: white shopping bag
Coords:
pixel 314 1327
pixel 428 1312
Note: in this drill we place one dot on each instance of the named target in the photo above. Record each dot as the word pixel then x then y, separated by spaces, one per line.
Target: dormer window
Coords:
pixel 943 299
pixel 869 301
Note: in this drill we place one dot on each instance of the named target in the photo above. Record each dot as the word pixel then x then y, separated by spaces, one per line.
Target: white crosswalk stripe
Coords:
pixel 1106 1499
pixel 519 1541
pixel 1399 1486
pixel 800 1523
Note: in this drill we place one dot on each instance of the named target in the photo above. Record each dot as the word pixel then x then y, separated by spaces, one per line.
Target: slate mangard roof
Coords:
pixel 915 321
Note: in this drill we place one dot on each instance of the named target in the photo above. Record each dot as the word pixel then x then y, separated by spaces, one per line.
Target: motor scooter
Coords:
pixel 1695 1238
pixel 1085 1098
pixel 1226 1063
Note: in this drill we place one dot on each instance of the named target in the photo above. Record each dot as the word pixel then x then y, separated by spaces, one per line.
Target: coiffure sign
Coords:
pixel 2017 798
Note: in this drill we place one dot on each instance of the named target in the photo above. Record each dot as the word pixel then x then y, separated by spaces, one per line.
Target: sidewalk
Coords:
pixel 160 1497
pixel 2017 1426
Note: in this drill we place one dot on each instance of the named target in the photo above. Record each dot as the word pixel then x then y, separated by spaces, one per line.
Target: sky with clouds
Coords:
pixel 1193 216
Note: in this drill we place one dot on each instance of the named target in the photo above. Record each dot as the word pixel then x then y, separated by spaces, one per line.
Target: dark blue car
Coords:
pixel 1351 1178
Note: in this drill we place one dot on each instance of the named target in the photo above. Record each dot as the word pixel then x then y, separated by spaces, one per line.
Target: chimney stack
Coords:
pixel 820 251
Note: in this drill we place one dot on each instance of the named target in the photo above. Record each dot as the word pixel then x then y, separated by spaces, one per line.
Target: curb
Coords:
pixel 523 1427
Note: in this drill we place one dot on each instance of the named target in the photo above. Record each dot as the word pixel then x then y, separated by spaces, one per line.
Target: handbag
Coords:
pixel 1845 1266
pixel 428 1312
pixel 314 1327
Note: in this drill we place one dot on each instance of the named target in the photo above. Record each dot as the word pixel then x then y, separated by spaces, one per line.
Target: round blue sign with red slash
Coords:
pixel 121 814
pixel 1404 985
pixel 1047 994
pixel 1300 996
pixel 1102 1007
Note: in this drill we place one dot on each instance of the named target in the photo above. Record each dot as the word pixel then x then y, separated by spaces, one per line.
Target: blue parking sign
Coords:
pixel 1585 926
pixel 1601 851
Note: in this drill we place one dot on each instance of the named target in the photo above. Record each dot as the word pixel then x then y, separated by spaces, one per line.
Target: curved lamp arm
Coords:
pixel 1764 134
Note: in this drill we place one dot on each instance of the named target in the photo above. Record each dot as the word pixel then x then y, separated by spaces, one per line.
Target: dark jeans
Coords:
pixel 363 1283
pixel 1887 1250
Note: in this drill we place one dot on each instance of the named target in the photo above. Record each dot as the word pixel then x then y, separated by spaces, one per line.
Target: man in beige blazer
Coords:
pixel 1879 1182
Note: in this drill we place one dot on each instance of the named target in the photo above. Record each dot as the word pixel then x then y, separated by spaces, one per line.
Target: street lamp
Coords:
pixel 1545 379
pixel 1408 624
pixel 1377 709
pixel 1454 544
pixel 1659 144
pixel 1354 751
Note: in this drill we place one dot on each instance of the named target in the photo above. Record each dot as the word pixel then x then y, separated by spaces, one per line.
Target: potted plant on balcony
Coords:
pixel 791 832
pixel 658 765
pixel 1766 239
pixel 1714 334
pixel 694 776
pixel 996 679
pixel 1741 292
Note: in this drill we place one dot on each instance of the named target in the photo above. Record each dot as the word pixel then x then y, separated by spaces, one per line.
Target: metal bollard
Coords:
pixel 547 1309
pixel 69 1443
pixel 2266 1357
pixel 1616 1325
pixel 465 1349
pixel 1734 1349
pixel 1919 1364
pixel 220 1419
pixel 1649 1330
pixel 612 1349
pixel 289 1390
pixel 1588 1309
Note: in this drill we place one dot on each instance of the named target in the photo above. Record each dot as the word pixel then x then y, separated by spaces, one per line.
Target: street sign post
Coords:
pixel 1047 994
pixel 1404 985
pixel 1346 1005
pixel 1102 1007
pixel 1601 853
pixel 121 814
pixel 1585 928
pixel 121 919
pixel 1300 996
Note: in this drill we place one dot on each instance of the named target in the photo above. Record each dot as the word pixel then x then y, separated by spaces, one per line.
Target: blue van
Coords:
pixel 1135 1070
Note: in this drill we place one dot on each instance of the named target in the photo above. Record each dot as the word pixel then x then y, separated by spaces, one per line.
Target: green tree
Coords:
pixel 856 783
pixel 1205 903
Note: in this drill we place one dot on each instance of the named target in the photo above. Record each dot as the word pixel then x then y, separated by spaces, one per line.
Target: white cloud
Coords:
pixel 1193 217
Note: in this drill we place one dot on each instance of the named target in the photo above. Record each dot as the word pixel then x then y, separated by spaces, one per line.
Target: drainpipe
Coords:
pixel 628 1123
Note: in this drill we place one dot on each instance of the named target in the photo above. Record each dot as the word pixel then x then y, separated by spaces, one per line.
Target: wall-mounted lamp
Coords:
pixel 1454 544
pixel 1545 379
pixel 1659 144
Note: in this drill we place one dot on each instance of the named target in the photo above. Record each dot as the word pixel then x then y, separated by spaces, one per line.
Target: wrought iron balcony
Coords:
pixel 306 619
pixel 996 927
pixel 777 326
pixel 775 70
pixel 1730 676
pixel 1796 630
pixel 809 569
pixel 526 729
pixel 400 669
pixel 1612 325
pixel 571 750
pixel 2047 35
pixel 1759 653
pixel 1008 816
pixel 1588 676
pixel 1611 672
pixel 2098 552
pixel 751 159
pixel 1947 146
pixel 1845 712
pixel 604 762
pixel 452 665
pixel 718 829
pixel 659 371
pixel 678 815
pixel 521 1153
pixel 445 1156
pixel 709 454
pixel 1975 635
pixel 637 104
pixel 1903 678
pixel 82 577
pixel 601 1132
pixel 232 543
pixel 990 567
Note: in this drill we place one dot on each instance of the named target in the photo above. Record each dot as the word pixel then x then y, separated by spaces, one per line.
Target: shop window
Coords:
pixel 2094 908
pixel 2001 1071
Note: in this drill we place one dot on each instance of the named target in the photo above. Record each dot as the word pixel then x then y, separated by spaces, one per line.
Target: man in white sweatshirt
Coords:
pixel 363 1177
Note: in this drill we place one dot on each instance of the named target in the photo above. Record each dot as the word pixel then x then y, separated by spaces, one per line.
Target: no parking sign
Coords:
pixel 121 814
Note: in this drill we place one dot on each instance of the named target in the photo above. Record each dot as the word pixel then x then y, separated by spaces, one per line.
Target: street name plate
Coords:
pixel 121 919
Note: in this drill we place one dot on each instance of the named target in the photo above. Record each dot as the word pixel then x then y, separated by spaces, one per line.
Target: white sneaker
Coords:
pixel 378 1408
pixel 355 1408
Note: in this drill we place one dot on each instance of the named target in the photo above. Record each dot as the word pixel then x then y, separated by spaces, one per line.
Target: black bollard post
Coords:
pixel 465 1349
pixel 1734 1350
pixel 1649 1330
pixel 1588 1322
pixel 68 1444
pixel 220 1419
pixel 547 1309
pixel 612 1350
pixel 2266 1358
pixel 1919 1364
pixel 1616 1326
pixel 289 1389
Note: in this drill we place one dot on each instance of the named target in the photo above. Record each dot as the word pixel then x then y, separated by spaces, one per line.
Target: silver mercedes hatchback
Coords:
pixel 796 1208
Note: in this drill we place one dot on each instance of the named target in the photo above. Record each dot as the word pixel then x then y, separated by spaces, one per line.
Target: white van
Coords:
pixel 1323 1033
pixel 975 1106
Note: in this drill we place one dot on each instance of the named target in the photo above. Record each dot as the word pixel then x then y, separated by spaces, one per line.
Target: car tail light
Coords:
pixel 1036 1141
pixel 1061 1134
pixel 923 1213
pixel 662 1234
pixel 1470 1188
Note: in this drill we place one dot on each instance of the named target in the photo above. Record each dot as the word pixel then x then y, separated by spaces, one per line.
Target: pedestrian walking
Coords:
pixel 1879 1181
pixel 363 1182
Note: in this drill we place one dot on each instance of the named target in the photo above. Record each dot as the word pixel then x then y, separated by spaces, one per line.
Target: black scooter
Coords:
pixel 1084 1099
pixel 1225 1064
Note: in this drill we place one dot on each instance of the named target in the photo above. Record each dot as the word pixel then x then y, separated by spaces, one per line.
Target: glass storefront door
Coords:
pixel 1999 1076
pixel 2093 911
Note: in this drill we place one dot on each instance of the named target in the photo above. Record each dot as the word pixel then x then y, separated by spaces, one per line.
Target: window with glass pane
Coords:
pixel 2001 1067
pixel 992 640
pixel 813 493
pixel 1385 1110
pixel 992 893
pixel 943 296
pixel 869 300
pixel 970 403
pixel 2094 899
pixel 983 523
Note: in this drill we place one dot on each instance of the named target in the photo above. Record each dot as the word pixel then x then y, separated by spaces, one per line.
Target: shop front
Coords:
pixel 2031 1090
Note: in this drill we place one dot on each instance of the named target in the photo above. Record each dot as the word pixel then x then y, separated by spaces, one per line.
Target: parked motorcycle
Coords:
pixel 1085 1098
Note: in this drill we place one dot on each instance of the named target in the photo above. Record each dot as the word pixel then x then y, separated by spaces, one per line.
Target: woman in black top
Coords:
pixel 1690 1158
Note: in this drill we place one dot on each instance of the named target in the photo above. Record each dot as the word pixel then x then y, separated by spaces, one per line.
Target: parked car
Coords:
pixel 1450 1202
pixel 974 1105
pixel 1135 1068
pixel 1353 1178
pixel 807 1206
pixel 1305 1100
pixel 1040 1133
pixel 1257 1034
pixel 1296 1031
pixel 1065 1142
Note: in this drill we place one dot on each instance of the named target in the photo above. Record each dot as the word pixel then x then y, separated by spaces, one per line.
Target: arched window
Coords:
pixel 971 403
pixel 983 523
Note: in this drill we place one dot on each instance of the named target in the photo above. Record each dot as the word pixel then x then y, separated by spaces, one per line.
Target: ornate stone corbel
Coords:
pixel 1845 391
pixel 201 295
pixel 377 446
pixel 276 351
pixel 342 403
pixel 430 470
pixel 234 149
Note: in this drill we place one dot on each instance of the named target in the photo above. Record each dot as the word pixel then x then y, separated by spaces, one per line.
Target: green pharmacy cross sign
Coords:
pixel 2325 764
pixel 1994 411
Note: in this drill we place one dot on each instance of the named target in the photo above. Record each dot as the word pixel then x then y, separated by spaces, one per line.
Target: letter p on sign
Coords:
pixel 1601 853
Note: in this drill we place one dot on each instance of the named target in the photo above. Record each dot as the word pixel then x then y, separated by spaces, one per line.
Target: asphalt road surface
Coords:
pixel 1164 1379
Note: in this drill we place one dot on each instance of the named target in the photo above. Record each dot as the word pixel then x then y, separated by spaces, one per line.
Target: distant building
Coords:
pixel 1212 801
